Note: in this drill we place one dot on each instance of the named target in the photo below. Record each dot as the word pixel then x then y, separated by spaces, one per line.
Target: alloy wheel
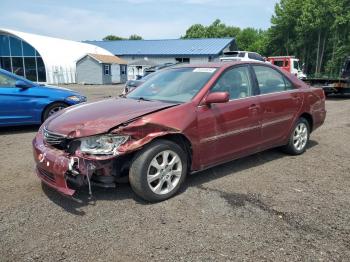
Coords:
pixel 164 172
pixel 54 110
pixel 300 136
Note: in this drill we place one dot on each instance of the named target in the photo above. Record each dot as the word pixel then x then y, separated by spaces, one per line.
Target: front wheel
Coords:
pixel 158 171
pixel 299 138
pixel 53 109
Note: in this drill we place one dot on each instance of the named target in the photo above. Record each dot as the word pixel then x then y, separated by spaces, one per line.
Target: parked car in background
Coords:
pixel 153 69
pixel 241 56
pixel 23 102
pixel 289 64
pixel 148 73
pixel 130 85
pixel 184 119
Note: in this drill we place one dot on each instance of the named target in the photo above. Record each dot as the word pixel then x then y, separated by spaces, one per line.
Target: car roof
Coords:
pixel 218 64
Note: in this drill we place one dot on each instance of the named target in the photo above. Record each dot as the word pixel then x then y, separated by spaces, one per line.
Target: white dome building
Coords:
pixel 41 58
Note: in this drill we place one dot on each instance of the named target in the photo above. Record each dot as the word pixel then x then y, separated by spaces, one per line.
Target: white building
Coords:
pixel 41 58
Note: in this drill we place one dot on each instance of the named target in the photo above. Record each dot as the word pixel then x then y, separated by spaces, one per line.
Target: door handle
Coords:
pixel 253 107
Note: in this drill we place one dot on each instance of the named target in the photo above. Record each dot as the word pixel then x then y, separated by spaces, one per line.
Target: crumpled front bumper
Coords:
pixel 51 166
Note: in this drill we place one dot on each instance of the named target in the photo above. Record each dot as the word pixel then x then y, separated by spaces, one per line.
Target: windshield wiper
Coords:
pixel 143 99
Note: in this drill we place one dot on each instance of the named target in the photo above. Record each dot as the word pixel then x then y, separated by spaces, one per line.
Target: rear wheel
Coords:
pixel 158 171
pixel 299 138
pixel 53 109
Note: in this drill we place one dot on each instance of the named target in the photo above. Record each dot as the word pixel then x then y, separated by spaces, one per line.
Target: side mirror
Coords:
pixel 22 84
pixel 217 97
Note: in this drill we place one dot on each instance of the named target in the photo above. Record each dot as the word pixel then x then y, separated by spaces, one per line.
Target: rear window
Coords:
pixel 256 57
pixel 278 63
pixel 235 54
pixel 271 81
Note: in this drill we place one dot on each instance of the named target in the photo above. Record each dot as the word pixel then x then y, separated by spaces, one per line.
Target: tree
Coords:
pixel 215 30
pixel 112 38
pixel 249 39
pixel 196 31
pixel 317 31
pixel 135 37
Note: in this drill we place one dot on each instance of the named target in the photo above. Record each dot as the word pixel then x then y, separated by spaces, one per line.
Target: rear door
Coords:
pixel 280 103
pixel 230 130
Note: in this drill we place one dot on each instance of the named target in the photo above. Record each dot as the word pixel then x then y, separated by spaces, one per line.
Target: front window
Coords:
pixel 178 85
pixel 236 82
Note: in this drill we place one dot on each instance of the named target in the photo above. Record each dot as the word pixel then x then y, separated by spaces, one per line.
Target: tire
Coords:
pixel 152 177
pixel 53 108
pixel 299 138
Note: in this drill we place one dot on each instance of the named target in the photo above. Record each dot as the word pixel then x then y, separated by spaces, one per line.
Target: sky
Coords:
pixel 152 19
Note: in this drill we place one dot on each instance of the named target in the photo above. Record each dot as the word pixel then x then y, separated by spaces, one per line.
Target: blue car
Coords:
pixel 23 102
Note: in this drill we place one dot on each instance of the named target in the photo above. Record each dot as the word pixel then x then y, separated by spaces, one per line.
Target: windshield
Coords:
pixel 173 85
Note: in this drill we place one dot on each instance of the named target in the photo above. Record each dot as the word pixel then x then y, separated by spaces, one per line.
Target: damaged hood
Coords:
pixel 99 117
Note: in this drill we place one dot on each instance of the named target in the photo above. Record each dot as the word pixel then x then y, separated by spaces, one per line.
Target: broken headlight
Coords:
pixel 102 145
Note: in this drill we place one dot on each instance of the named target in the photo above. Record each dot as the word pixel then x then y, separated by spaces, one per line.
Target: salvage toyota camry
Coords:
pixel 184 119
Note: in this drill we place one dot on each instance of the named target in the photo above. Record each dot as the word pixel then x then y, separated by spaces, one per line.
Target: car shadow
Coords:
pixel 235 166
pixel 81 198
pixel 10 130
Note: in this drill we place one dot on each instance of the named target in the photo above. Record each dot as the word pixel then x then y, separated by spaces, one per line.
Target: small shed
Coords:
pixel 101 69
pixel 136 68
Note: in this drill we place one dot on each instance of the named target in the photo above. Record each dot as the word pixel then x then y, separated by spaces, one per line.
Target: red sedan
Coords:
pixel 182 120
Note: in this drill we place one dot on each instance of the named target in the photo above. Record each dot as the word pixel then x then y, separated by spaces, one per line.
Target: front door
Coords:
pixel 16 104
pixel 115 71
pixel 230 130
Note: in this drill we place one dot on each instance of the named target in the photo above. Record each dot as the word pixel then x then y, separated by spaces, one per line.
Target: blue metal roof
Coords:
pixel 170 47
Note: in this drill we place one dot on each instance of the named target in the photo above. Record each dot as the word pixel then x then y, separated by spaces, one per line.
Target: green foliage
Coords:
pixel 135 37
pixel 316 31
pixel 251 39
pixel 114 37
pixel 216 30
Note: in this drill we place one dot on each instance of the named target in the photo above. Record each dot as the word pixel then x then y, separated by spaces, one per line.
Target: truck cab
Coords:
pixel 289 64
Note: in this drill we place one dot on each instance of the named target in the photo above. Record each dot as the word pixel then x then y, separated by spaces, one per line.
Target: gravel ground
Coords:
pixel 268 206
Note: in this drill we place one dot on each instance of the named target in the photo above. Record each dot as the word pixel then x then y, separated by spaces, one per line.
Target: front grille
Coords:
pixel 53 138
pixel 46 175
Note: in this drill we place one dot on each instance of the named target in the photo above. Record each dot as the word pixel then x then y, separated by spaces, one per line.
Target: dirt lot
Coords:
pixel 268 206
